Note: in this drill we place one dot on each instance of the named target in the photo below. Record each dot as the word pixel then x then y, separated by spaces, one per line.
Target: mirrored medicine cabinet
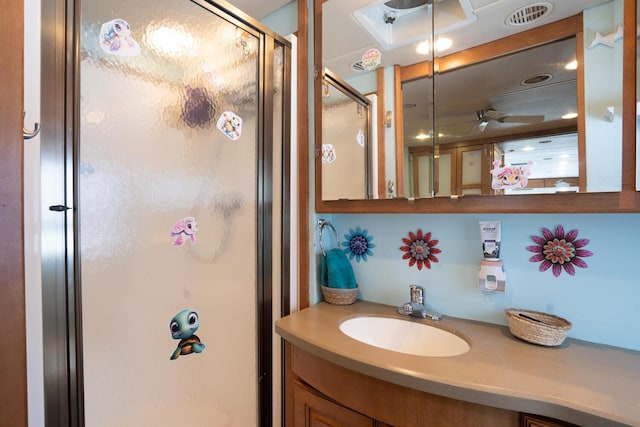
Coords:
pixel 512 116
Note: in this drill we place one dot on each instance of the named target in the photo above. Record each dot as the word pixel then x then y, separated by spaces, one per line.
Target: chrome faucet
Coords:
pixel 416 307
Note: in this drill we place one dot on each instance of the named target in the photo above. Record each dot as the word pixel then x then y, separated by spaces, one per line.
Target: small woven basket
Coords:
pixel 537 327
pixel 339 296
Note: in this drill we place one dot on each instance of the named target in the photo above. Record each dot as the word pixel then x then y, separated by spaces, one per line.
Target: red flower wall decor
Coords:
pixel 559 251
pixel 419 249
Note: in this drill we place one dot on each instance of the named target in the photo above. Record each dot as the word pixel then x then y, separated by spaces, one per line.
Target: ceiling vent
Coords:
pixel 528 14
pixel 406 4
pixel 357 66
pixel 536 79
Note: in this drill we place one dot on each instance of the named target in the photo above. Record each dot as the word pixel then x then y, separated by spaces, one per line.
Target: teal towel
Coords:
pixel 336 270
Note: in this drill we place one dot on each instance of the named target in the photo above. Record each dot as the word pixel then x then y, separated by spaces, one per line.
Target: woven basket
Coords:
pixel 339 296
pixel 537 327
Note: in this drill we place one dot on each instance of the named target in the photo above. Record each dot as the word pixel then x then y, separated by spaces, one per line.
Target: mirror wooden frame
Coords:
pixel 627 200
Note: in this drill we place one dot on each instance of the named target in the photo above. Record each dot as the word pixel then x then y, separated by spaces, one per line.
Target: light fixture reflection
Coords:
pixel 171 40
pixel 570 116
pixel 573 65
pixel 422 48
pixel 443 44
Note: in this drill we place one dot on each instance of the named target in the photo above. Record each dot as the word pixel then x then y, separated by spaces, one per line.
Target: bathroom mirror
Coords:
pixel 469 91
pixel 346 135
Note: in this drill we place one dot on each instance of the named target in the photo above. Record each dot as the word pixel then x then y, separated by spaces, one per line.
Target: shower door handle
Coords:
pixel 59 208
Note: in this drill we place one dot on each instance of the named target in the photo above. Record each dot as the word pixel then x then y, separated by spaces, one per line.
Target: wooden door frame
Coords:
pixel 13 356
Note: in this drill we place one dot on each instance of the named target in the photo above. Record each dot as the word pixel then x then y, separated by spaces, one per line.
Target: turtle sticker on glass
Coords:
pixel 328 153
pixel 115 39
pixel 230 124
pixel 184 228
pixel 183 327
pixel 512 176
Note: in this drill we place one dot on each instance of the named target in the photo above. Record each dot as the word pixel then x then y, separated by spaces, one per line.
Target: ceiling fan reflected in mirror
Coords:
pixel 488 115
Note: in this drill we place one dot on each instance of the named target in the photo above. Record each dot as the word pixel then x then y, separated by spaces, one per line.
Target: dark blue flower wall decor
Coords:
pixel 358 244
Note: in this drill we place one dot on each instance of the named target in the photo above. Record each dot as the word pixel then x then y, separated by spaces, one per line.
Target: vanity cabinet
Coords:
pixel 329 395
pixel 528 420
pixel 326 394
pixel 312 409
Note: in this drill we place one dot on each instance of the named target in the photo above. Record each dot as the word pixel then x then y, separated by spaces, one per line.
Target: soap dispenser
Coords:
pixel 491 277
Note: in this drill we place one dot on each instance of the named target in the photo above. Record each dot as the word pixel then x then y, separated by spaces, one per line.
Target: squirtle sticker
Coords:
pixel 184 228
pixel 183 327
pixel 115 38
pixel 230 124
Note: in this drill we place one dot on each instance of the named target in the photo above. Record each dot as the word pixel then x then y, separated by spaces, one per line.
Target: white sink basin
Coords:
pixel 404 336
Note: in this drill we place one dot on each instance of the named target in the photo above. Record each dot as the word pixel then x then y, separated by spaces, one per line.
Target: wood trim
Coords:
pixel 620 202
pixel 317 96
pixel 416 71
pixel 303 156
pixel 399 129
pixel 629 167
pixel 13 353
pixel 382 143
pixel 558 30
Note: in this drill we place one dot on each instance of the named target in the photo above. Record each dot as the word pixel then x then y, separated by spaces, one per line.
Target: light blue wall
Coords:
pixel 602 301
pixel 283 21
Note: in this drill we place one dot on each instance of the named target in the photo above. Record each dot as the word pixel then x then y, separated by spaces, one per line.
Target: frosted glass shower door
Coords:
pixel 169 214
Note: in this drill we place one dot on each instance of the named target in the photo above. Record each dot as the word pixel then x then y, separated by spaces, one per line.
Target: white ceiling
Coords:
pixel 490 85
pixel 345 39
pixel 258 9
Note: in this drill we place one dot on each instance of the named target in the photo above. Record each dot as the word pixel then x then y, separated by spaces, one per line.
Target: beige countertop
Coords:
pixel 579 382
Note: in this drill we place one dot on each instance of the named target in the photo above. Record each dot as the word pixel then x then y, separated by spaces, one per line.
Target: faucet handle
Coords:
pixel 417 294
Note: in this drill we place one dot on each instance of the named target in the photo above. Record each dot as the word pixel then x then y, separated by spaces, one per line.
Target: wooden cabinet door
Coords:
pixel 314 410
pixel 527 420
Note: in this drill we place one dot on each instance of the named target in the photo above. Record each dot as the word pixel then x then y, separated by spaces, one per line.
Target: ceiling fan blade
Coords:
pixel 481 126
pixel 491 114
pixel 521 119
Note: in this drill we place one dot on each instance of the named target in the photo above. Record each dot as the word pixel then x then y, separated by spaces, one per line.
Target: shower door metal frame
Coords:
pixel 61 288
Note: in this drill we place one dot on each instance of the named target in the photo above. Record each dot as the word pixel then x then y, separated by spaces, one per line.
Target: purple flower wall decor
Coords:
pixel 419 249
pixel 559 251
pixel 358 244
